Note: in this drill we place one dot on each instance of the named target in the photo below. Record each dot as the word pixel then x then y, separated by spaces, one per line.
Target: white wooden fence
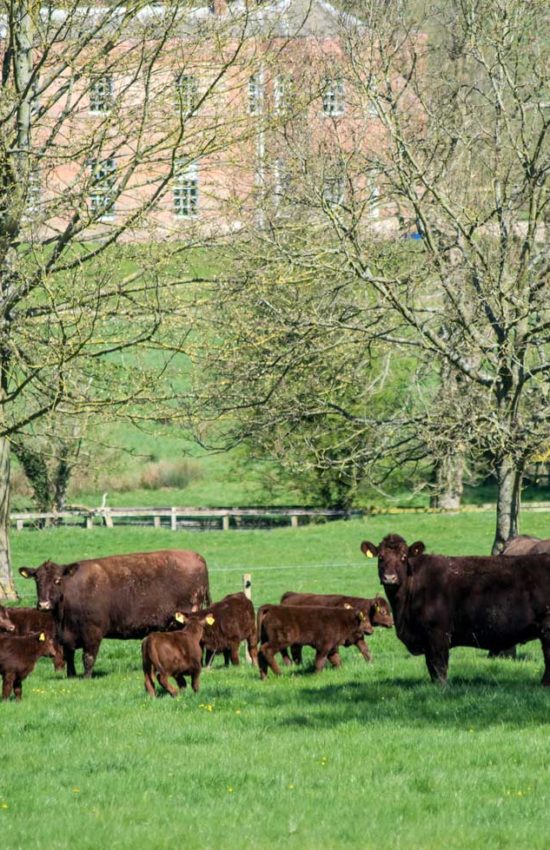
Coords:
pixel 174 518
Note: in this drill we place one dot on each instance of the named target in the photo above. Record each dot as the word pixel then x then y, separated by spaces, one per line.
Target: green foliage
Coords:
pixel 365 756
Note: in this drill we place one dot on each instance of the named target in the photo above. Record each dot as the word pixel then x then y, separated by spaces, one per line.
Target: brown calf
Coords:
pixel 27 621
pixel 6 624
pixel 174 654
pixel 234 621
pixel 376 610
pixel 325 629
pixel 18 655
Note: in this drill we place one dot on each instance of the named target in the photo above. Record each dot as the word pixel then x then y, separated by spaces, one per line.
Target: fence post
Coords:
pixel 89 522
pixel 156 521
pixel 20 525
pixel 225 522
pixel 294 521
pixel 173 523
pixel 108 518
pixel 247 588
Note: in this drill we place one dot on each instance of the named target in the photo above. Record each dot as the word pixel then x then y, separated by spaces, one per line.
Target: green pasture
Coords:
pixel 364 757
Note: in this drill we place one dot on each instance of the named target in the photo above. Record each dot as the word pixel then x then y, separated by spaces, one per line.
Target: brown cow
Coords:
pixel 377 611
pixel 26 621
pixel 121 596
pixel 235 621
pixel 175 654
pixel 325 629
pixel 524 544
pixel 486 602
pixel 18 655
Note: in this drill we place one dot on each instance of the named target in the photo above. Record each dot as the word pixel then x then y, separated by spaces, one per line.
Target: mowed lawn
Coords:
pixel 367 756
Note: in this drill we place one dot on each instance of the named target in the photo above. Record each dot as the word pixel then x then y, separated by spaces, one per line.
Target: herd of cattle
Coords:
pixel 437 602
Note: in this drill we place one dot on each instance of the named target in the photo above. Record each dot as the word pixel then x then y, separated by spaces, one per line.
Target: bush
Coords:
pixel 165 473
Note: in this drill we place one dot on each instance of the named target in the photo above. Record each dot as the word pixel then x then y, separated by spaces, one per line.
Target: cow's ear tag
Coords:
pixel 361 616
pixel 369 554
pixel 42 636
pixel 210 620
pixel 179 617
pixel 347 605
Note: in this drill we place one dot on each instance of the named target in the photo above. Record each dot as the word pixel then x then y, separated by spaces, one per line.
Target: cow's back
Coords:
pixel 127 596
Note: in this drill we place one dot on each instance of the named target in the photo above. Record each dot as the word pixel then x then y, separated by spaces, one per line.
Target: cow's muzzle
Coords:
pixel 45 606
pixel 389 579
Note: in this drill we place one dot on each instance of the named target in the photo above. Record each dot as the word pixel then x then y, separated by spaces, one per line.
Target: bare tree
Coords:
pixel 107 112
pixel 448 144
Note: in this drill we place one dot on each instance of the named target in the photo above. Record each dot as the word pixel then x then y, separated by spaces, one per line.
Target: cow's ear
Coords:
pixel 369 549
pixel 70 569
pixel 416 549
pixel 27 572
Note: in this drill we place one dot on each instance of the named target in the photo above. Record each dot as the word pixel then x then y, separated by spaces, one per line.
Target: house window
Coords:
pixel 283 86
pixel 334 97
pixel 255 95
pixel 102 194
pixel 186 190
pixel 101 94
pixel 186 93
pixel 334 189
pixel 281 181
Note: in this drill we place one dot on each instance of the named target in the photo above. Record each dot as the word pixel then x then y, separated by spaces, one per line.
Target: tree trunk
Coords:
pixel 449 482
pixel 7 587
pixel 509 477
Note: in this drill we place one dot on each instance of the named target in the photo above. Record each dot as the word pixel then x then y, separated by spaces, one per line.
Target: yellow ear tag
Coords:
pixel 369 554
pixel 210 620
pixel 347 605
pixel 42 636
pixel 179 617
pixel 361 616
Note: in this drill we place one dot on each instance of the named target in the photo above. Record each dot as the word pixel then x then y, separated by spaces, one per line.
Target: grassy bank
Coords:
pixel 367 756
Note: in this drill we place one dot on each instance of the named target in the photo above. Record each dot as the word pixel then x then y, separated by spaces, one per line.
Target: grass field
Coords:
pixel 367 756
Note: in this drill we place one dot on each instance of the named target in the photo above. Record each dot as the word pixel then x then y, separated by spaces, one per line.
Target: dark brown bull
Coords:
pixel 376 610
pixel 234 621
pixel 175 655
pixel 486 602
pixel 121 596
pixel 523 544
pixel 26 621
pixel 18 656
pixel 325 629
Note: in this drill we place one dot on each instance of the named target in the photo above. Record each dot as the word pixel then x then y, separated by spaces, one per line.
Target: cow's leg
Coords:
pixel 262 664
pixel 296 652
pixel 545 642
pixel 437 662
pixel 234 654
pixel 321 659
pixel 149 682
pixel 18 688
pixel 58 659
pixel 285 656
pixel 168 686
pixel 363 648
pixel 334 658
pixel 252 644
pixel 7 684
pixel 226 657
pixel 270 658
pixel 89 655
pixel 180 679
pixel 196 679
pixel 209 655
pixel 68 654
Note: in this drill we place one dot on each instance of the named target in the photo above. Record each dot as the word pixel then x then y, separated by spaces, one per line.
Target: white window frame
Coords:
pixel 334 97
pixel 101 94
pixel 334 188
pixel 255 94
pixel 282 92
pixel 102 196
pixel 187 93
pixel 185 192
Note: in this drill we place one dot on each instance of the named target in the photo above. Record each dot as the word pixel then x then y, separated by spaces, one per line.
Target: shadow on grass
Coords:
pixel 467 701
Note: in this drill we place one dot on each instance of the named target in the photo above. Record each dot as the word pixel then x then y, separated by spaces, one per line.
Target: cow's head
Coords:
pixel 363 617
pixel 380 613
pixel 185 620
pixel 49 578
pixel 393 558
pixel 6 624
